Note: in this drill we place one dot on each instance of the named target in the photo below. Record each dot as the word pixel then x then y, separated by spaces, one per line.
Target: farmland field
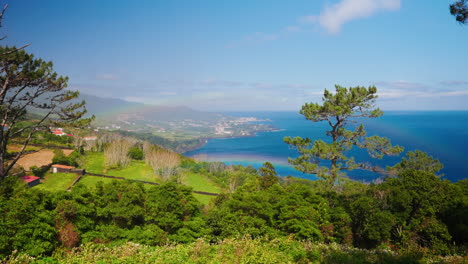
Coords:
pixel 57 181
pixel 40 158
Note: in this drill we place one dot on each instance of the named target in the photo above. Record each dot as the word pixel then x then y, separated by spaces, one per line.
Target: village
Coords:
pixel 221 126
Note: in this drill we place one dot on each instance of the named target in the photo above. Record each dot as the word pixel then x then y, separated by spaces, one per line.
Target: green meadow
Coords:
pixel 57 181
pixel 94 162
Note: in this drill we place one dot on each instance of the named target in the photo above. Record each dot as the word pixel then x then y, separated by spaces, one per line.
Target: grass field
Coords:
pixel 57 181
pixel 201 183
pixel 90 181
pixel 139 170
pixel 203 199
pixel 94 162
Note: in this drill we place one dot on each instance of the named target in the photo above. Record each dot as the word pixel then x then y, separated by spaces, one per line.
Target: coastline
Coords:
pixel 203 141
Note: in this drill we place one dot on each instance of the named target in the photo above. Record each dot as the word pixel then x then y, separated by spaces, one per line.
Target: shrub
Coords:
pixel 136 153
pixel 60 158
pixel 39 171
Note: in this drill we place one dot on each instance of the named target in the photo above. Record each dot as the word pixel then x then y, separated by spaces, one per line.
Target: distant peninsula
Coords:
pixel 177 127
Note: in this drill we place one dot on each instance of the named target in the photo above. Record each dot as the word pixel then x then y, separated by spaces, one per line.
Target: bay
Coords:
pixel 442 134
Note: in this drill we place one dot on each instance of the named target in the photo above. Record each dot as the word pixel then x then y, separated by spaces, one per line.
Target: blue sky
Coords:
pixel 250 54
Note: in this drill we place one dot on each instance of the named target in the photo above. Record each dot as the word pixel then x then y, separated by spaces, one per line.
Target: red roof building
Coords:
pixel 58 132
pixel 31 180
pixel 62 168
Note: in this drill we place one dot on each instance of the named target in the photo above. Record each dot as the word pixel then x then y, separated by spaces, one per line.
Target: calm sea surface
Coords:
pixel 442 134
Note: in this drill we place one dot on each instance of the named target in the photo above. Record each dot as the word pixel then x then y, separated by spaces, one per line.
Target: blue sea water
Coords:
pixel 442 134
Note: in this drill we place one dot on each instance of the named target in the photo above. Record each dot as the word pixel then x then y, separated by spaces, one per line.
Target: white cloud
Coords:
pixel 333 17
pixel 451 93
pixel 419 93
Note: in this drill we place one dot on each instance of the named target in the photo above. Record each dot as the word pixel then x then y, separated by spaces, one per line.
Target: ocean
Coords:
pixel 442 134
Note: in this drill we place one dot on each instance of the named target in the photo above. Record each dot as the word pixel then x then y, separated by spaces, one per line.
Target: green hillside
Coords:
pixel 94 162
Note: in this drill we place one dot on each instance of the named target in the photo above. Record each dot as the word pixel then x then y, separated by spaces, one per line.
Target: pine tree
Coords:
pixel 339 110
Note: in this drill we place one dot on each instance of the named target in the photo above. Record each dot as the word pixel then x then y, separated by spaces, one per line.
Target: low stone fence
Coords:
pixel 206 193
pixel 145 182
pixel 75 182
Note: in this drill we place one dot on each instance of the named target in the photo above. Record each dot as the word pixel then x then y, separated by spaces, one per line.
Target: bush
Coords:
pixel 60 158
pixel 136 153
pixel 39 171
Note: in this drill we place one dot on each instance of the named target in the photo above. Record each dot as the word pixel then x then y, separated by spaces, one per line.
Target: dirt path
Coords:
pixel 40 158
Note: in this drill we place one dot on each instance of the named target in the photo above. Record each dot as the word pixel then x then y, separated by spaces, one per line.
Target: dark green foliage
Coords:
pixel 36 222
pixel 26 221
pixel 303 213
pixel 417 199
pixel 47 138
pixel 39 171
pixel 420 161
pixel 123 211
pixel 455 215
pixel 339 110
pixel 268 175
pixel 188 163
pixel 121 204
pixel 191 230
pixel 169 205
pixel 414 210
pixel 414 213
pixel 460 10
pixel 148 235
pixel 60 158
pixel 341 231
pixel 136 153
pixel 371 225
pixel 272 212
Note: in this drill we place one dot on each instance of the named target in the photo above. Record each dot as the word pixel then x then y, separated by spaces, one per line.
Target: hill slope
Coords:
pixel 173 122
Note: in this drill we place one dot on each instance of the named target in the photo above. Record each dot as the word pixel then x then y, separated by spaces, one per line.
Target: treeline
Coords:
pixel 414 212
pixel 37 222
pixel 119 151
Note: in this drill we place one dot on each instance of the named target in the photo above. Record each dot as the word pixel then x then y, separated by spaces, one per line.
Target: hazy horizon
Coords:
pixel 249 55
pixel 275 110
